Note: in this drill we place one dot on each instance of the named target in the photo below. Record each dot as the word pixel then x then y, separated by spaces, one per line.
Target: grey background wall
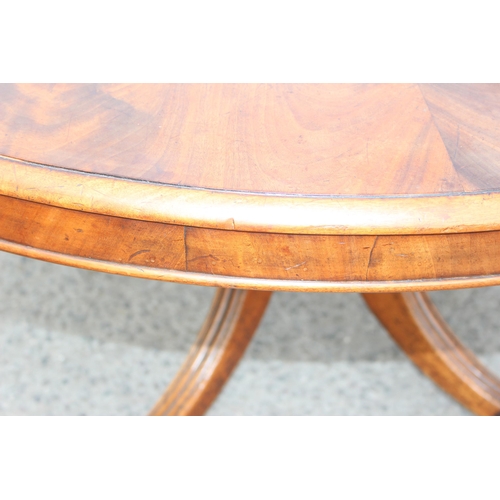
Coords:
pixel 75 342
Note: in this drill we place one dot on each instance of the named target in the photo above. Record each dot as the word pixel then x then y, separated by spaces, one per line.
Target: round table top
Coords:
pixel 314 159
pixel 242 167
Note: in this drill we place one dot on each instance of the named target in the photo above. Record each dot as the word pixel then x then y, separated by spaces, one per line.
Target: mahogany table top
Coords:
pixel 246 166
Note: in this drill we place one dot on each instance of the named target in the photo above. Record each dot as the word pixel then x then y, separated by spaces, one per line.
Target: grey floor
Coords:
pixel 75 342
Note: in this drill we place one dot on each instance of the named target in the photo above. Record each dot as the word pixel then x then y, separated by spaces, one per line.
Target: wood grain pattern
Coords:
pixel 296 261
pixel 420 331
pixel 192 278
pixel 299 159
pixel 92 236
pixel 467 117
pixel 342 187
pixel 247 212
pixel 342 258
pixel 227 331
pixel 358 139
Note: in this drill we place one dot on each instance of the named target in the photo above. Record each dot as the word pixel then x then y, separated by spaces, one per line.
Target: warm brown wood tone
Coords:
pixel 330 187
pixel 369 152
pixel 92 236
pixel 467 117
pixel 342 258
pixel 310 139
pixel 363 263
pixel 248 212
pixel 229 327
pixel 419 330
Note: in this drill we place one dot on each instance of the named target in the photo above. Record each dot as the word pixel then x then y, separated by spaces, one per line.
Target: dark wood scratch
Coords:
pixel 185 251
pixel 137 253
pixel 370 257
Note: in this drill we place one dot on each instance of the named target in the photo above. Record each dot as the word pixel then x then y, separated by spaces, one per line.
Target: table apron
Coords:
pixel 249 259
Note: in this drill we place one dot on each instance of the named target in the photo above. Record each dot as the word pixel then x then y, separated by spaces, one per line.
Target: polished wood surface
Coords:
pixel 416 326
pixel 228 329
pixel 248 259
pixel 329 187
pixel 231 210
pixel 336 139
pixel 325 159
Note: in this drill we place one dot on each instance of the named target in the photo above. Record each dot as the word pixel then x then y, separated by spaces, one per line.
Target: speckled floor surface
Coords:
pixel 76 342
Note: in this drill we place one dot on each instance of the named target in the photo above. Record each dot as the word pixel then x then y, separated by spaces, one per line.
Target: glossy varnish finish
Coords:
pixel 325 159
pixel 356 140
pixel 360 262
pixel 370 188
pixel 235 211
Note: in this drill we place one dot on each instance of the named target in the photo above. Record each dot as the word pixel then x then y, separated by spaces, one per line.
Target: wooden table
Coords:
pixel 386 188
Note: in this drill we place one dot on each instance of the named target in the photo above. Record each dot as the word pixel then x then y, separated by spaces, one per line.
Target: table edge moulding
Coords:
pixel 389 247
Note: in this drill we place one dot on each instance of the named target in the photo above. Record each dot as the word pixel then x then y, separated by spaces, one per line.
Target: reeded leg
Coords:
pixel 415 324
pixel 228 329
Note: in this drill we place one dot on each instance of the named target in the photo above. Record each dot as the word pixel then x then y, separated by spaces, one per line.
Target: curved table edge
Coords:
pixel 252 212
pixel 192 278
